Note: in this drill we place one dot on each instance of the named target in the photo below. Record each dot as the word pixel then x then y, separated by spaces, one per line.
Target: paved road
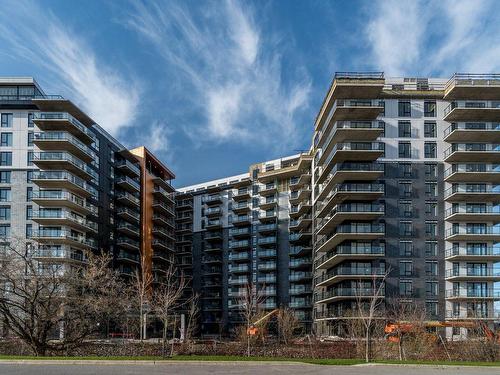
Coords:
pixel 231 368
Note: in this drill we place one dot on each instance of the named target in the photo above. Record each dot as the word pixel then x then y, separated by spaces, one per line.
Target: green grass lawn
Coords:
pixel 336 362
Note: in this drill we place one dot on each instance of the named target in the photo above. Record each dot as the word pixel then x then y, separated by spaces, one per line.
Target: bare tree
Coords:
pixel 368 301
pixel 141 288
pixel 193 313
pixel 37 299
pixel 287 324
pixel 167 298
pixel 249 303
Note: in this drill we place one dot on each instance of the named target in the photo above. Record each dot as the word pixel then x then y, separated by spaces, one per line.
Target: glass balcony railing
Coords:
pixel 127 180
pixel 472 189
pixel 473 272
pixel 351 271
pixel 472 126
pixel 473 230
pixel 347 292
pixel 478 251
pixel 65 136
pixel 471 293
pixel 64 116
pixel 64 195
pixel 470 105
pixel 239 231
pixel 353 250
pixel 129 165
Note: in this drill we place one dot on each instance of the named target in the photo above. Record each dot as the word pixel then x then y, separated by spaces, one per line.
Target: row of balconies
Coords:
pixel 55 217
pixel 63 180
pixel 63 121
pixel 338 274
pixel 350 252
pixel 337 294
pixel 61 198
pixel 352 231
pixel 62 236
pixel 64 141
pixel 477 110
pixel 470 172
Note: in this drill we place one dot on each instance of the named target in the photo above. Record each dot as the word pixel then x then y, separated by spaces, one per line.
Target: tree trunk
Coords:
pixel 367 345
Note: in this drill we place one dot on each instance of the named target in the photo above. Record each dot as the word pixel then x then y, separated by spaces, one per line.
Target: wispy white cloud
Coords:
pixel 423 37
pixel 37 35
pixel 229 72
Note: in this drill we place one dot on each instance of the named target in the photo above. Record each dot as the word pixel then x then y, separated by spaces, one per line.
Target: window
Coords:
pixel 29 230
pixel 405 209
pixel 431 208
pixel 405 189
pixel 6 120
pixel 405 268
pixel 29 158
pixel 431 248
pixel 430 170
pixel 405 228
pixel 405 169
pixel 404 108
pixel 6 139
pixel 6 159
pixel 430 149
pixel 29 176
pixel 431 228
pixel 5 195
pixel 429 109
pixel 431 268
pixel 30 120
pixel 404 129
pixel 405 249
pixel 431 288
pixel 431 189
pixel 405 288
pixel 5 230
pixel 5 177
pixel 431 308
pixel 29 194
pixel 4 212
pixel 29 212
pixel 381 103
pixel 404 150
pixel 31 137
pixel 430 129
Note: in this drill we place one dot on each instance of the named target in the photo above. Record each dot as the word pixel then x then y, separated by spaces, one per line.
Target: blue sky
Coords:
pixel 213 86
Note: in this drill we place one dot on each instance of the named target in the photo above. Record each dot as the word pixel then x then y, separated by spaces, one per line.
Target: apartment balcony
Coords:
pixel 472 193
pixel 184 204
pixel 213 236
pixel 245 244
pixel 63 161
pixel 351 232
pixel 129 184
pixel 64 141
pixel 212 271
pixel 128 229
pixel 213 224
pixel 479 86
pixel 473 152
pixel 349 85
pixel 241 207
pixel 473 274
pixel 472 315
pixel 267 216
pixel 57 198
pixel 464 294
pixel 211 260
pixel 299 290
pixel 58 254
pixel 268 189
pixel 239 269
pixel 348 273
pixel 302 236
pixel 162 208
pixel 350 151
pixel 300 263
pixel 62 237
pixel 213 212
pixel 269 292
pixel 214 248
pixel 212 199
pixel 162 245
pixel 287 169
pixel 129 168
pixel 128 215
pixel 163 220
pixel 298 182
pixel 478 234
pixel 349 212
pixel 236 257
pixel 472 111
pixel 467 213
pixel 302 222
pixel 267 241
pixel 351 171
pixel 473 173
pixel 266 279
pixel 352 253
pixel 268 203
pixel 163 233
pixel 473 132
pixel 128 243
pixel 240 232
pixel 302 303
pixel 238 281
pixel 163 195
pixel 242 194
pixel 242 220
pixel 63 122
pixel 267 228
pixel 300 276
pixel 473 254
pixel 355 109
pixel 124 256
pixel 297 196
pixel 350 130
pixel 63 218
pixel 266 254
pixel 300 209
pixel 128 199
pixel 299 251
pixel 352 192
pixel 183 217
pixel 339 294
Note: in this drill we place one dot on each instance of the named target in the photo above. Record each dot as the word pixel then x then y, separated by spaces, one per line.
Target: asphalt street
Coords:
pixel 197 368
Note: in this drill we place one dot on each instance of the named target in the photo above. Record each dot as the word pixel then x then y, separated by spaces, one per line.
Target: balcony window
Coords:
pixel 404 129
pixel 31 137
pixel 404 108
pixel 6 139
pixel 404 150
pixel 430 149
pixel 430 129
pixel 6 120
pixel 429 109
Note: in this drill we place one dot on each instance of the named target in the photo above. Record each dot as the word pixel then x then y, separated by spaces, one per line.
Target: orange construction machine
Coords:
pixel 253 330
